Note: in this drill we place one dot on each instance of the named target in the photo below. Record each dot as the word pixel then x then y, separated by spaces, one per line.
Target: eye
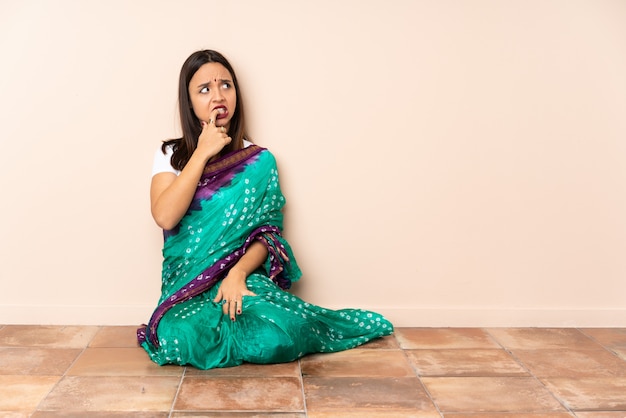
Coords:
pixel 204 90
pixel 226 85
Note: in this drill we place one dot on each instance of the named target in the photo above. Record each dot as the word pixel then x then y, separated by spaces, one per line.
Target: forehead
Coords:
pixel 209 72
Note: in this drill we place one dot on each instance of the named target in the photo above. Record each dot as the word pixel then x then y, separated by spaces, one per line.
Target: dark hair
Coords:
pixel 191 126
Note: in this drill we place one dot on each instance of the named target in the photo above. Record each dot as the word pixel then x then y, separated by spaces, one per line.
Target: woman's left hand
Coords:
pixel 231 293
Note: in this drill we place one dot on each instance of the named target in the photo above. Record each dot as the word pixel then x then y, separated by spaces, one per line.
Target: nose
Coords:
pixel 218 96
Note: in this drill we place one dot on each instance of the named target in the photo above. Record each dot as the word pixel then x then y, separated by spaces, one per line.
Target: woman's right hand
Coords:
pixel 213 138
pixel 171 195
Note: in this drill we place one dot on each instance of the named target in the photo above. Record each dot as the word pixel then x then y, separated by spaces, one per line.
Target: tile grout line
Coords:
pixel 419 378
pixel 531 374
pixel 180 384
pixel 604 347
pixel 64 375
pixel 306 413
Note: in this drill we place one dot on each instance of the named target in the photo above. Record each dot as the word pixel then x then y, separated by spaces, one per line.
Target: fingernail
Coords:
pixel 232 319
pixel 239 312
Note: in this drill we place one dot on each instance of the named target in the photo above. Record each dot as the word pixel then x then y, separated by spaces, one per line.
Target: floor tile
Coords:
pixel 509 415
pixel 120 362
pixel 222 393
pixel 614 339
pixel 46 336
pixel 608 337
pixel 115 337
pixel 465 362
pixel 541 338
pixel 366 395
pixel 112 393
pixel 602 394
pixel 238 414
pixel 388 342
pixel 621 353
pixel 23 393
pixel 358 362
pixel 571 362
pixel 392 413
pixel 491 394
pixel 92 372
pixel 291 369
pixel 36 361
pixel 442 338
pixel 100 414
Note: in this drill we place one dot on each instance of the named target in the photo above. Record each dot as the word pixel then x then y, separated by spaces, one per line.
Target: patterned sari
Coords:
pixel 238 201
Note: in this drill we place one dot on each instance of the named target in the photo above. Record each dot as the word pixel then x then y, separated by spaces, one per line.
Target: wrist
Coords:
pixel 201 158
pixel 238 272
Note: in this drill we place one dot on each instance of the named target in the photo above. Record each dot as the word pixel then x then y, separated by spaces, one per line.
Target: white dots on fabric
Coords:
pixel 328 330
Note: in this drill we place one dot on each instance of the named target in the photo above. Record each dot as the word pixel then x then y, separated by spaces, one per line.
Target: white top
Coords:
pixel 162 162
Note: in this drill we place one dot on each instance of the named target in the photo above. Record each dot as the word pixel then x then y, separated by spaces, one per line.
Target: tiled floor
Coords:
pixel 418 372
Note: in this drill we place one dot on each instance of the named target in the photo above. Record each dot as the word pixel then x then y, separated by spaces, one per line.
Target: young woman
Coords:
pixel 226 265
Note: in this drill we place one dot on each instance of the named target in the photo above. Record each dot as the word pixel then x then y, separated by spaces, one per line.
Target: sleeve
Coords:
pixel 162 162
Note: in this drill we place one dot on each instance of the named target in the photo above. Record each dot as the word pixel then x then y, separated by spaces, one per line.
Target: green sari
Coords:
pixel 238 202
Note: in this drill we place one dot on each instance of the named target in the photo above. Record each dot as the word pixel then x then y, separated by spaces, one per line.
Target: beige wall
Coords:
pixel 447 163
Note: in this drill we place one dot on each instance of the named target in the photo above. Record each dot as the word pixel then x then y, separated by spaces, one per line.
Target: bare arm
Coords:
pixel 233 287
pixel 171 195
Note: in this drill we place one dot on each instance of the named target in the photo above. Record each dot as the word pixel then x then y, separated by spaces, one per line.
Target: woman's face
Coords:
pixel 212 94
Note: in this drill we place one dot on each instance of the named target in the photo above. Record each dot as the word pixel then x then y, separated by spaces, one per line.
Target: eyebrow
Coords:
pixel 222 80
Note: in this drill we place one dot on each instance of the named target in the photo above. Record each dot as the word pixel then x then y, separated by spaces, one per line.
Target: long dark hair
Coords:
pixel 191 126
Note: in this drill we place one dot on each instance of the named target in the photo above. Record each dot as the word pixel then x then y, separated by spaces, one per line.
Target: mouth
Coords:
pixel 222 112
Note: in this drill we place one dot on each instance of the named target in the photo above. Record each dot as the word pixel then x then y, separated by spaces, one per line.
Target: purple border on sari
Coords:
pixel 267 234
pixel 217 175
